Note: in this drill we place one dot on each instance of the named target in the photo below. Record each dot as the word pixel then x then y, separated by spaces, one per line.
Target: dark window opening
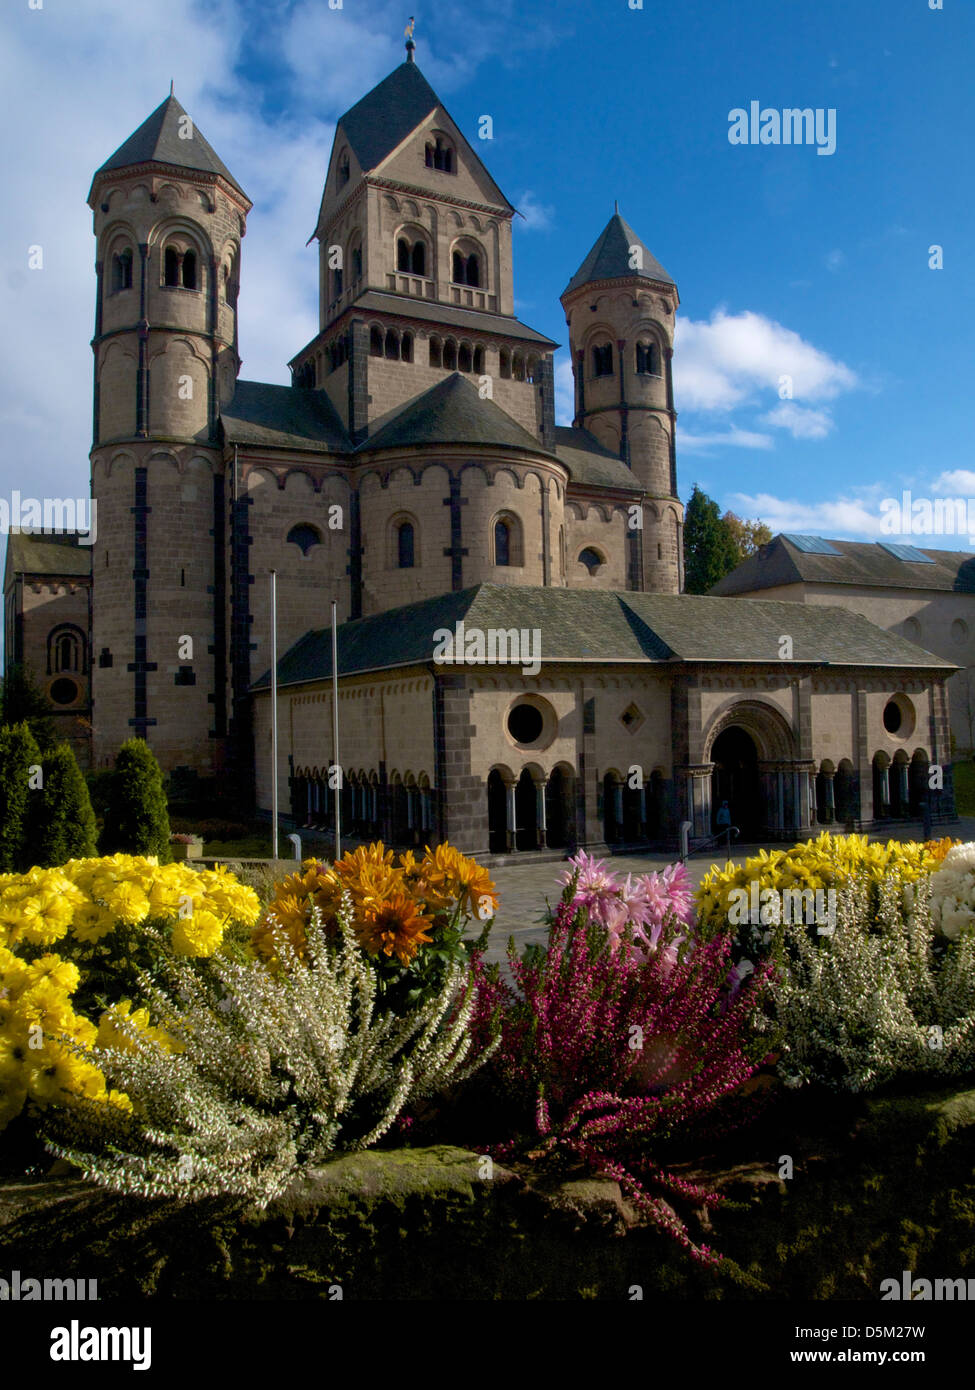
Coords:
pixel 504 364
pixel 344 171
pixel 64 691
pixel 419 258
pixel 525 724
pixel 185 676
pixel 375 342
pixel 893 717
pixel 591 559
pixel 464 359
pixel 602 360
pixel 104 658
pixel 436 353
pixel 122 271
pixel 189 270
pixel 357 263
pixel 502 543
pixel 450 355
pixel 392 344
pixel 479 360
pixel 171 264
pixel 403 254
pixel 406 347
pixel 404 540
pixel 304 536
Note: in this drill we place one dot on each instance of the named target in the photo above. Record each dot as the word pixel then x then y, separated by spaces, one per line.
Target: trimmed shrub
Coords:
pixel 136 818
pixel 18 753
pixel 61 822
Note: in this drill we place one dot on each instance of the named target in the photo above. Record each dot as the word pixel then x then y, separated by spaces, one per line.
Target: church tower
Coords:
pixel 169 219
pixel 619 309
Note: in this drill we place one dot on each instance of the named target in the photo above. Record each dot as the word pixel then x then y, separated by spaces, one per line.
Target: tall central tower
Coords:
pixel 619 308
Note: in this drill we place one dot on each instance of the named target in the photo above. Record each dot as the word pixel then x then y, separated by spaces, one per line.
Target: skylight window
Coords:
pixel 811 545
pixel 908 553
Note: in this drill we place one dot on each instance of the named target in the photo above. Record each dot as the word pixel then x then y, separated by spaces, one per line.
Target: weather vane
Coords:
pixel 410 45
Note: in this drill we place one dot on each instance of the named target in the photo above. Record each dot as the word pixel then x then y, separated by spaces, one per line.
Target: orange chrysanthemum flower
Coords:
pixel 394 927
pixel 451 877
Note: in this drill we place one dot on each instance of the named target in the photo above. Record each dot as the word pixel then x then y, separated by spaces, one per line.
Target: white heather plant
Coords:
pixel 883 996
pixel 266 1071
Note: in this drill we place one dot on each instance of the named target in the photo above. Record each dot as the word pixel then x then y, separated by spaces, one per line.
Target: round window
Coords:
pixel 63 691
pixel 899 716
pixel 525 723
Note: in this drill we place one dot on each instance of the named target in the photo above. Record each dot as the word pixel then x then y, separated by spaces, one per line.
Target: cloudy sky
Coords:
pixel 790 264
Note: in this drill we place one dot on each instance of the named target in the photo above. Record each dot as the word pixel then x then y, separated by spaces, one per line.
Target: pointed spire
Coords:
pixel 162 139
pixel 617 255
pixel 616 206
pixel 172 84
pixel 410 45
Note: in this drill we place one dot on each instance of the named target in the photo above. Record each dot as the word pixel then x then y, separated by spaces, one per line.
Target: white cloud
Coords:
pixel 801 422
pixel 841 516
pixel 691 443
pixel 723 363
pixel 957 482
pixel 535 216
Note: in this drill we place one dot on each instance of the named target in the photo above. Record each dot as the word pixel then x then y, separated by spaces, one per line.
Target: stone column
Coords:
pixel 541 826
pixel 904 787
pixel 511 822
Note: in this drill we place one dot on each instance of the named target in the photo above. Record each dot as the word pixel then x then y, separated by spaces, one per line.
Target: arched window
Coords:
pixel 602 360
pixel 591 559
pixel 459 266
pixel 122 270
pixel 344 170
pixel 439 155
pixel 356 259
pixel 502 543
pixel 531 370
pixel 375 342
pixel 66 651
pixel 473 271
pixel 406 347
pixel 189 270
pixel 336 283
pixel 647 359
pixel 418 258
pixel 436 353
pixel 392 344
pixel 450 355
pixel 171 267
pixel 464 359
pixel 403 254
pixel 504 364
pixel 518 367
pixel 466 268
pixel 404 545
pixel 304 536
pixel 479 360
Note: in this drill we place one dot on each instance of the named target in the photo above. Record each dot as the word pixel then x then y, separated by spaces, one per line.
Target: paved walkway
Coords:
pixel 523 888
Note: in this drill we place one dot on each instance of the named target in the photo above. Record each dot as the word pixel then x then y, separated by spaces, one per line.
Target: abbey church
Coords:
pixel 413 471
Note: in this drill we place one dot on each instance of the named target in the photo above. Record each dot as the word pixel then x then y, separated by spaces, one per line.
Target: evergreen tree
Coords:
pixel 23 701
pixel 709 549
pixel 136 818
pixel 61 822
pixel 18 754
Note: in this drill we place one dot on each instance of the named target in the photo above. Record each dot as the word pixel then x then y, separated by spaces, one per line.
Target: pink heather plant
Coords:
pixel 606 1045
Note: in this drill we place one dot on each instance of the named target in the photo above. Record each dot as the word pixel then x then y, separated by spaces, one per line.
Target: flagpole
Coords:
pixel 274 715
pixel 335 731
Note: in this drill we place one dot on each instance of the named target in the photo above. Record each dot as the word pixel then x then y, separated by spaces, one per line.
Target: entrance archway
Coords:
pixel 735 779
pixel 497 813
pixel 560 808
pixel 526 812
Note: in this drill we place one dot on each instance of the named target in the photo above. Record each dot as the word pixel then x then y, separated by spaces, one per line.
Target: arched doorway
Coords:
pixel 497 813
pixel 526 812
pixel 560 808
pixel 633 813
pixel 735 779
pixel 845 796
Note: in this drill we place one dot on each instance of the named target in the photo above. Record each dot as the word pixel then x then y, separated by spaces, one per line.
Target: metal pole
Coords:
pixel 335 730
pixel 274 715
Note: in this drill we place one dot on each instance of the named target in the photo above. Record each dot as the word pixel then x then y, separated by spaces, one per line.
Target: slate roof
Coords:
pixel 599 626
pixel 452 412
pixel 859 562
pixel 589 463
pixel 283 417
pixel 474 320
pixel 609 259
pixel 157 140
pixel 40 554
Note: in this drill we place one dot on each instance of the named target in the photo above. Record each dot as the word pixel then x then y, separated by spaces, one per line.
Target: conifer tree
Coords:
pixel 19 753
pixel 137 818
pixel 61 822
pixel 709 549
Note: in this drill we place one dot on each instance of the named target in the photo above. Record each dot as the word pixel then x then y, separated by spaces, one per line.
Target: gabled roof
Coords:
pixel 61 554
pixel 158 141
pixel 452 412
pixel 609 258
pixel 283 417
pixel 384 117
pixel 600 626
pixel 589 463
pixel 866 563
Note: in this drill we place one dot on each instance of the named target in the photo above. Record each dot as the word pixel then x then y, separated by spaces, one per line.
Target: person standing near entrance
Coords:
pixel 723 817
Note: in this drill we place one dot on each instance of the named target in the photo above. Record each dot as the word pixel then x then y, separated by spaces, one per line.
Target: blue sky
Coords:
pixel 787 262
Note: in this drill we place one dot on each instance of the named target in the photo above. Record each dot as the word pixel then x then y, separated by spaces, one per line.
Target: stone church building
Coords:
pixel 414 472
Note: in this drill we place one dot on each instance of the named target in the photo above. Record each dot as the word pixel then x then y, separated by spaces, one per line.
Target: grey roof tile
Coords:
pixel 589 463
pixel 609 258
pixel 40 554
pixel 600 626
pixel 452 412
pixel 283 417
pixel 158 140
pixel 858 563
